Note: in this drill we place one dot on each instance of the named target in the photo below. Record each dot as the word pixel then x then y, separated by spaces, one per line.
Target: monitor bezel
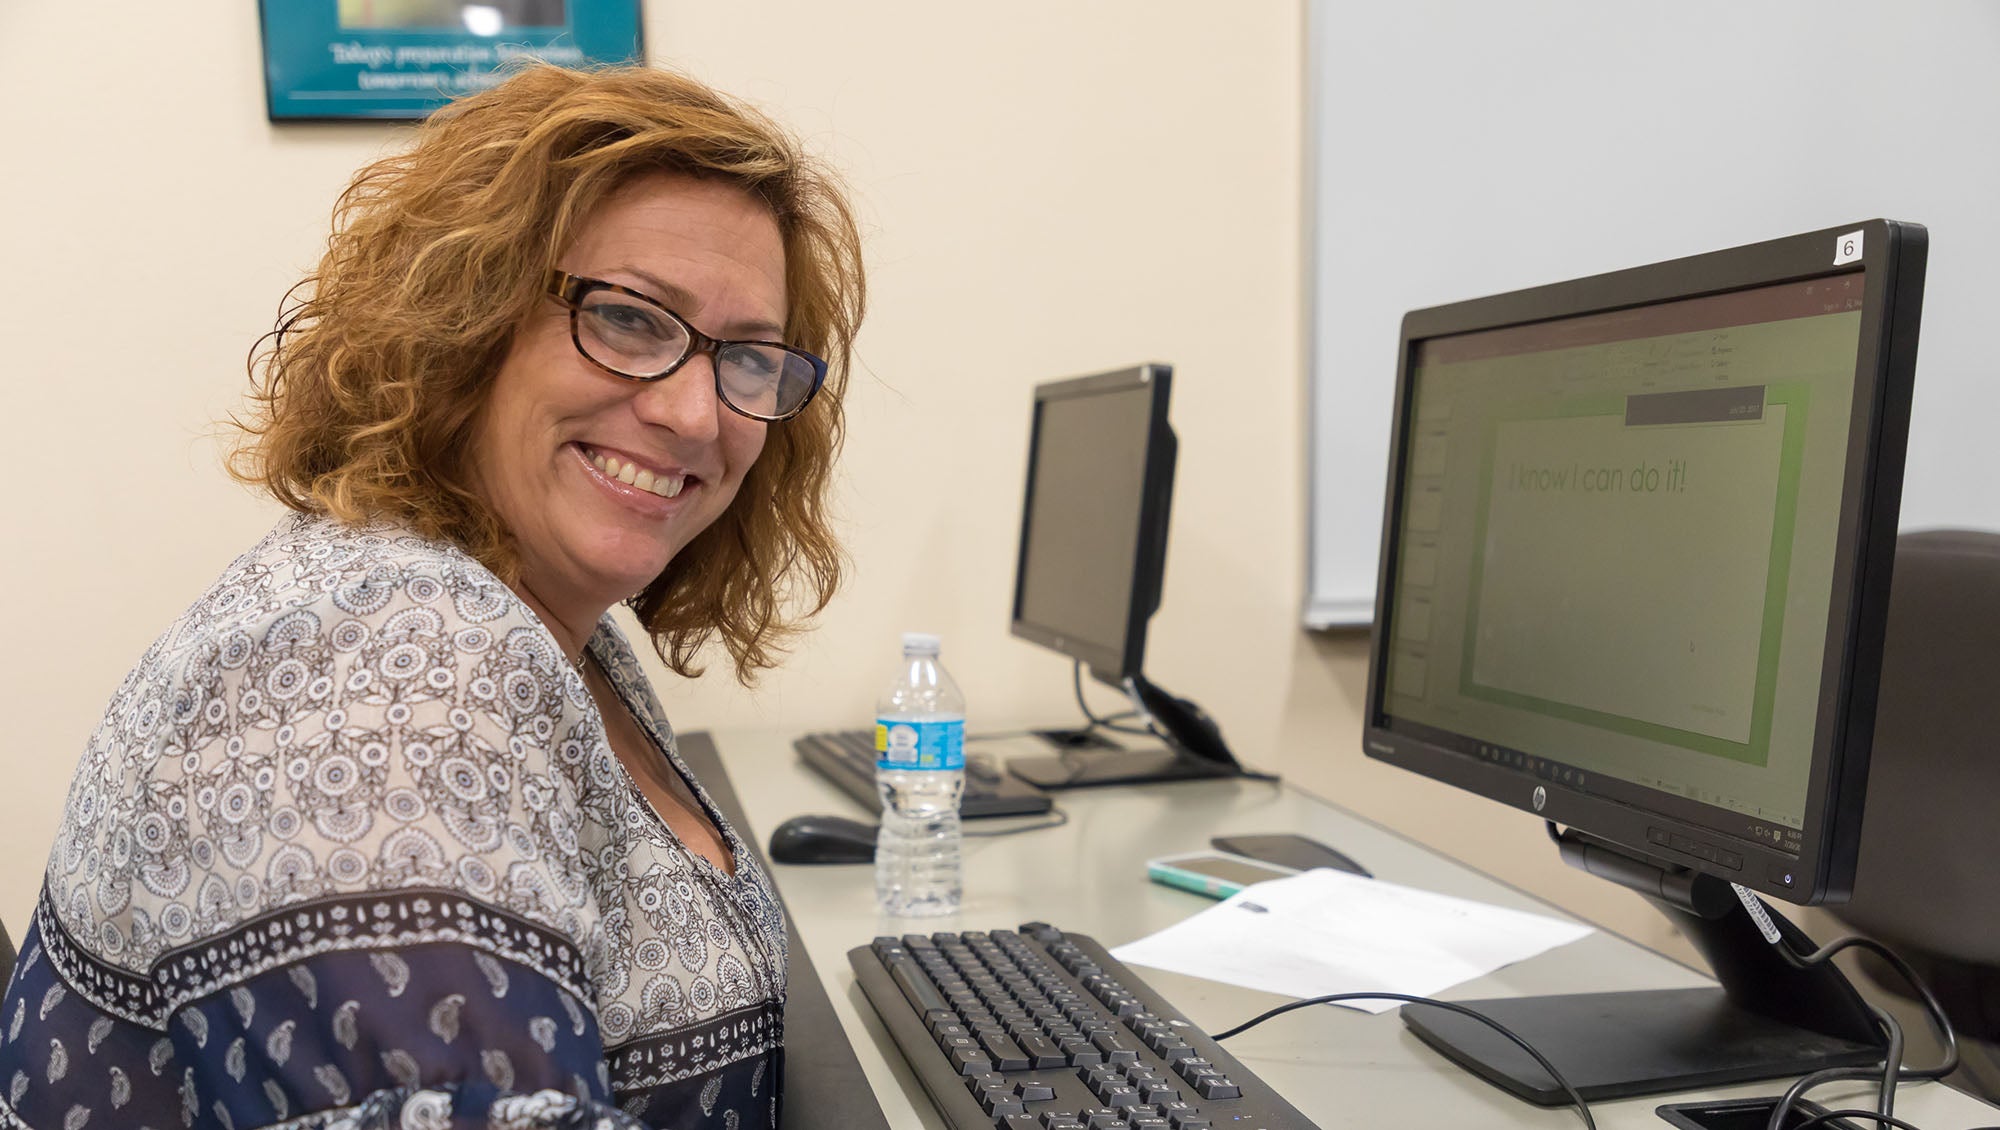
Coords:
pixel 1892 271
pixel 1110 665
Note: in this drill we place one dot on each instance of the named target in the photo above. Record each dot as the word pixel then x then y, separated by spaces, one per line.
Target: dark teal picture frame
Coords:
pixel 327 60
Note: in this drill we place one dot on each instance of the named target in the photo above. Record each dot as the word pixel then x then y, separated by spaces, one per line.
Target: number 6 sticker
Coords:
pixel 1847 248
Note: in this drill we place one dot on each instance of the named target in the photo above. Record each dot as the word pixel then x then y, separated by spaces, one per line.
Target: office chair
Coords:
pixel 1928 882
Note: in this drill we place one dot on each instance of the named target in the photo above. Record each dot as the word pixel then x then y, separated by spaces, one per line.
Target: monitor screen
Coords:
pixel 1094 522
pixel 1637 547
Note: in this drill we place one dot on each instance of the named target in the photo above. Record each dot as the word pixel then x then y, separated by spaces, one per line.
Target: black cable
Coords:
pixel 1101 722
pixel 1057 818
pixel 1582 1108
pixel 1892 1071
pixel 1892 1063
pixel 1818 1079
pixel 1873 1116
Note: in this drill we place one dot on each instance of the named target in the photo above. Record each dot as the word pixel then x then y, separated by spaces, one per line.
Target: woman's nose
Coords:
pixel 684 403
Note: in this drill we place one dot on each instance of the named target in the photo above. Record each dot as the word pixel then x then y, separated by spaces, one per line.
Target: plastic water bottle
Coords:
pixel 920 772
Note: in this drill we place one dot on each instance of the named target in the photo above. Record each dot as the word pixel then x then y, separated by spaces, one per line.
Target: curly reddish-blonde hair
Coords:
pixel 366 393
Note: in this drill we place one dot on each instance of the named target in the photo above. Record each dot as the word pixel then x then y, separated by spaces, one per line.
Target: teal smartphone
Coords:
pixel 1216 874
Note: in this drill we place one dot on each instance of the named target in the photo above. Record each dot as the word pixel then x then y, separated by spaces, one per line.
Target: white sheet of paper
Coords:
pixel 1328 931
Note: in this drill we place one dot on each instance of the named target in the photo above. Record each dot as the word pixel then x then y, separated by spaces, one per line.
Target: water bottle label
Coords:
pixel 919 745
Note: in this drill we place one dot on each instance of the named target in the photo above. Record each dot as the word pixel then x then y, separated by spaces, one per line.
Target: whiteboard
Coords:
pixel 1457 149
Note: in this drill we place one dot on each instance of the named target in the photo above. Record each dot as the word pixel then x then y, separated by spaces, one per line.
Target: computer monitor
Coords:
pixel 1634 579
pixel 1091 562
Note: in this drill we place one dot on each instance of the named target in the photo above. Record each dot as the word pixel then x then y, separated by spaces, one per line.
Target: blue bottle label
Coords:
pixel 919 745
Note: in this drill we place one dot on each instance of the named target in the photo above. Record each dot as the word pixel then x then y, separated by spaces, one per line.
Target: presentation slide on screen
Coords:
pixel 1624 570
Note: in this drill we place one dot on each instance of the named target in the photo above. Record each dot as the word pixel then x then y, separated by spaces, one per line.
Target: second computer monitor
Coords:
pixel 1092 559
pixel 1094 525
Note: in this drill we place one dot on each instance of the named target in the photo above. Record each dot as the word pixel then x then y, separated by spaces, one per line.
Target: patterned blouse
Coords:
pixel 350 850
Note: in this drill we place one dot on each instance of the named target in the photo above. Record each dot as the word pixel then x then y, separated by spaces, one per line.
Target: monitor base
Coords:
pixel 1771 1016
pixel 1618 1045
pixel 1088 768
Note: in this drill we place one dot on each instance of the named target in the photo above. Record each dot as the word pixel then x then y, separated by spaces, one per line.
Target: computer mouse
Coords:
pixel 823 839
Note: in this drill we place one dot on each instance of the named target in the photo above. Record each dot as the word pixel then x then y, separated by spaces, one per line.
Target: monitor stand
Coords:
pixel 1193 749
pixel 1769 1019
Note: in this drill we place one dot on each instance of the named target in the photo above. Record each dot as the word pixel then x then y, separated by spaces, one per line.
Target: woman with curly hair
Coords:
pixel 388 828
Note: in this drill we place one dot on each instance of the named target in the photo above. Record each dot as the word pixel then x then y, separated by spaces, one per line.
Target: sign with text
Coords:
pixel 405 58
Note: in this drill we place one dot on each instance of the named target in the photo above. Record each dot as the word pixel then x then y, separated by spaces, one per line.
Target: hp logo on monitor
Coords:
pixel 1541 797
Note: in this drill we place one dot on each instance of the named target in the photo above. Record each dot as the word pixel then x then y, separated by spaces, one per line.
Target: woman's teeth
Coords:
pixel 666 486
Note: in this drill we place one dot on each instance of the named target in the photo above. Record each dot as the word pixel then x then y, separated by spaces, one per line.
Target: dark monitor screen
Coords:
pixel 1094 522
pixel 1637 547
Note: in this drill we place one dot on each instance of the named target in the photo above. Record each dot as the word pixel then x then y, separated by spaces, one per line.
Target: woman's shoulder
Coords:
pixel 337 571
pixel 313 583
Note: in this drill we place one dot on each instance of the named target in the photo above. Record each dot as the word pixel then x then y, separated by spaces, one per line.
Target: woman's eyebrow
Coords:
pixel 682 301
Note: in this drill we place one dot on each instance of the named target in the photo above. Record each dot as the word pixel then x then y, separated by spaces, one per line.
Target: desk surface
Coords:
pixel 1339 1066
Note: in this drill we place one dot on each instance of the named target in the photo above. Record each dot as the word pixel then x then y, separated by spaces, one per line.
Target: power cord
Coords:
pixel 1575 1098
pixel 1892 1070
pixel 1828 1116
pixel 1101 722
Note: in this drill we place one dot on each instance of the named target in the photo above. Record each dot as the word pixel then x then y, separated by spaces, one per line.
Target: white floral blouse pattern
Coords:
pixel 349 849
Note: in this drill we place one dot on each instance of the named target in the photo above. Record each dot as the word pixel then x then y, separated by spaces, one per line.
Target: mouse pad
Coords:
pixel 824 1086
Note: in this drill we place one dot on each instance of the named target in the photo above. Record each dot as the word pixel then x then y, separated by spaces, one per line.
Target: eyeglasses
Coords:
pixel 627 334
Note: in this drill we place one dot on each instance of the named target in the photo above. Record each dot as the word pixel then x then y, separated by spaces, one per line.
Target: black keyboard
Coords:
pixel 1041 1030
pixel 847 758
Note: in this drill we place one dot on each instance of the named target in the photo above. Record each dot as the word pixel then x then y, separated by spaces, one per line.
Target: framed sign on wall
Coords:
pixel 331 59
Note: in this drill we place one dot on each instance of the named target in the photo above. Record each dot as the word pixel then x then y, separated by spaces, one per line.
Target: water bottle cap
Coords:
pixel 924 642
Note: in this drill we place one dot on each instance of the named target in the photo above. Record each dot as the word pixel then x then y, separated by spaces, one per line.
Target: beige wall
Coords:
pixel 1048 189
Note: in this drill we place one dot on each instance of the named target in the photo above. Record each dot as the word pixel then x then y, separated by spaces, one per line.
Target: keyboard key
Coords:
pixel 999 1104
pixel 1117 1096
pixel 970 1061
pixel 1219 1087
pixel 1033 1090
pixel 1007 1056
pixel 909 977
pixel 1174 1051
pixel 1100 1117
pixel 1042 1051
pixel 1022 1121
pixel 987 1081
pixel 1115 1049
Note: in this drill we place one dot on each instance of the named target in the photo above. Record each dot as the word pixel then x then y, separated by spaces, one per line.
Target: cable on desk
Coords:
pixel 1576 1099
pixel 1892 1070
pixel 1870 1115
pixel 1057 818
